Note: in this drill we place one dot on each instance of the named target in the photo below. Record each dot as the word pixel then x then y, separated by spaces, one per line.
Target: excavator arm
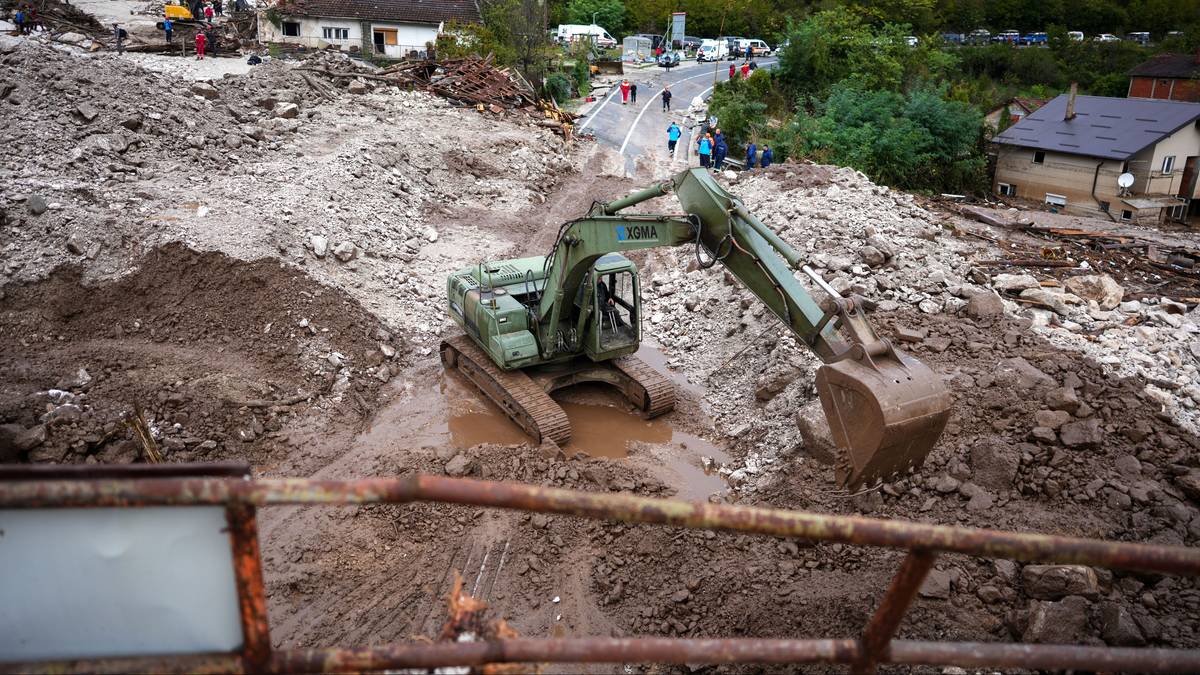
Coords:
pixel 885 409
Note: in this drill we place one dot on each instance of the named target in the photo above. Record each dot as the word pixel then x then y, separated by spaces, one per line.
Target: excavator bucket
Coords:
pixel 886 414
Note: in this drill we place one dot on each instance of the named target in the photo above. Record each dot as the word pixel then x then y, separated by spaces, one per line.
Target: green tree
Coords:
pixel 608 13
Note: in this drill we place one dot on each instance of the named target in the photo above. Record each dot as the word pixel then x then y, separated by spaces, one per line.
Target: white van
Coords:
pixel 1075 35
pixel 571 32
pixel 753 48
pixel 712 50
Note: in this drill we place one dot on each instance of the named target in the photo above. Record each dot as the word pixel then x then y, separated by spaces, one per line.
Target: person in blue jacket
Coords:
pixel 767 157
pixel 168 27
pixel 751 155
pixel 705 149
pixel 720 149
pixel 673 134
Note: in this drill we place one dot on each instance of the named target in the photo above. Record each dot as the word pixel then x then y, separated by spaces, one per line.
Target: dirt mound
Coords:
pixel 217 351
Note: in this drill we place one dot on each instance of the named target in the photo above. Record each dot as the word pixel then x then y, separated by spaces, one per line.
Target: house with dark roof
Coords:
pixel 1012 111
pixel 1174 77
pixel 389 28
pixel 1130 159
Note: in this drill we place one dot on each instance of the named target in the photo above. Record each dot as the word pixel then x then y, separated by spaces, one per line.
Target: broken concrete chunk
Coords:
pixel 1118 627
pixel 1189 483
pixel 771 383
pixel 814 430
pixel 357 87
pixel 76 244
pixel 1051 582
pixel 1063 398
pixel 86 112
pixel 994 464
pixel 1021 373
pixel 16 440
pixel 1082 434
pixel 206 90
pixel 460 465
pixel 984 305
pixel 345 251
pixel 905 334
pixel 287 111
pixel 1014 282
pixel 1056 302
pixel 1051 419
pixel 1101 288
pixel 36 204
pixel 872 256
pixel 936 585
pixel 233 141
pixel 1062 622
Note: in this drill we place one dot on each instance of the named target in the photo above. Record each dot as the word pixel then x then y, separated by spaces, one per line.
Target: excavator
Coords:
pixel 535 325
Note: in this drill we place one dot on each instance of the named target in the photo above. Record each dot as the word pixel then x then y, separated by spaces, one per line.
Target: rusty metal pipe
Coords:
pixel 652 650
pixel 892 608
pixel 623 507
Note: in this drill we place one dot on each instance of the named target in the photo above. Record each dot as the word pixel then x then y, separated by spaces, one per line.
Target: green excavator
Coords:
pixel 535 325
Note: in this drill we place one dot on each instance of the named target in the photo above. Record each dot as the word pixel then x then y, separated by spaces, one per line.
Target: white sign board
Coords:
pixel 110 582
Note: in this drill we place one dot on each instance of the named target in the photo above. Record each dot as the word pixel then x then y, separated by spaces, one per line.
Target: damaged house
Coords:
pixel 385 28
pixel 1130 159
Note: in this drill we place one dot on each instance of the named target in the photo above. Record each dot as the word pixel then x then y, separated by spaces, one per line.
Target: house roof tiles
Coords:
pixel 1109 128
pixel 1186 66
pixel 404 11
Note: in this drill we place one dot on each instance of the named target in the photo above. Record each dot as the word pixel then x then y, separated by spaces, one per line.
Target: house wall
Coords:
pixel 409 36
pixel 1164 88
pixel 1182 144
pixel 1070 176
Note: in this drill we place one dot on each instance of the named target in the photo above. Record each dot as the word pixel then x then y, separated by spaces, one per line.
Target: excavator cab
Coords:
pixel 616 320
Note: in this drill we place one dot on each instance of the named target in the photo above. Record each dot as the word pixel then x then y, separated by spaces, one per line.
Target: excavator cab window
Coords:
pixel 616 295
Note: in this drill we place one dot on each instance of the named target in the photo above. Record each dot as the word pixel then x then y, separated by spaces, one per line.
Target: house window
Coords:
pixel 335 33
pixel 1007 189
pixel 1126 215
pixel 1177 212
pixel 1056 200
pixel 1039 157
pixel 291 28
pixel 1168 164
pixel 1104 206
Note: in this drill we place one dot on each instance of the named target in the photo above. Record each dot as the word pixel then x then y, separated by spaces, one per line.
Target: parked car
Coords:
pixel 691 42
pixel 954 38
pixel 712 50
pixel 1035 40
pixel 1141 38
pixel 1106 37
pixel 732 44
pixel 1007 36
pixel 669 59
pixel 979 36
pixel 1174 33
pixel 1075 35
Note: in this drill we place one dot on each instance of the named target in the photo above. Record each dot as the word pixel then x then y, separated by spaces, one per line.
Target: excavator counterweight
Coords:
pixel 538 324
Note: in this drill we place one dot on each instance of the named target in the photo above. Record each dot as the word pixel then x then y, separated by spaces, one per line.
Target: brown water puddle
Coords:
pixel 453 413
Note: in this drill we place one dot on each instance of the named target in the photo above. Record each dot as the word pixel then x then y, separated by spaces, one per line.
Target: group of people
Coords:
pixel 747 68
pixel 26 19
pixel 713 149
pixel 628 92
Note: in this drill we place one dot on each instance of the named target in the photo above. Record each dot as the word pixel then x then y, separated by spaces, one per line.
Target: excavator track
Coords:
pixel 522 399
pixel 659 392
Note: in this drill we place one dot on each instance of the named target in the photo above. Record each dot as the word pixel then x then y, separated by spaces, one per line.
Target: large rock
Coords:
pixel 872 256
pixel 994 464
pixel 984 305
pixel 936 585
pixel 772 382
pixel 459 465
pixel 206 90
pixel 1118 628
pixel 1056 302
pixel 1014 282
pixel 1189 483
pixel 36 204
pixel 814 430
pixel 345 251
pixel 1016 371
pixel 1051 582
pixel 1098 287
pixel 287 111
pixel 1063 622
pixel 16 440
pixel 1082 434
pixel 320 245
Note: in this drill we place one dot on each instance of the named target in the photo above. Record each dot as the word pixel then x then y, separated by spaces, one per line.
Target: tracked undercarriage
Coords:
pixel 524 395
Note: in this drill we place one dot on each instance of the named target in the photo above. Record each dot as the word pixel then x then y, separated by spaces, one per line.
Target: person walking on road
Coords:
pixel 168 27
pixel 633 92
pixel 666 97
pixel 705 149
pixel 624 92
pixel 673 134
pixel 767 157
pixel 720 149
pixel 745 71
pixel 751 155
pixel 201 43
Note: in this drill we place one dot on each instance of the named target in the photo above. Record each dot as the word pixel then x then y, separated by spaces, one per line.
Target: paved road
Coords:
pixel 640 129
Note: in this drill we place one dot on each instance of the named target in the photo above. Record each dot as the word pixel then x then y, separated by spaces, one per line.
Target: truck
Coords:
pixel 572 32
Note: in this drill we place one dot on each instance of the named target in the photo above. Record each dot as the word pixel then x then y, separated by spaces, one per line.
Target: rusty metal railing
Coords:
pixel 59 488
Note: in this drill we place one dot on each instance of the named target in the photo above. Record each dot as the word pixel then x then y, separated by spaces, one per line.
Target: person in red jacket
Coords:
pixel 201 43
pixel 732 71
pixel 745 70
pixel 624 92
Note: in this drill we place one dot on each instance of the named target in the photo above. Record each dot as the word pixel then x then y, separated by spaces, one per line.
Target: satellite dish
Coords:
pixel 1125 180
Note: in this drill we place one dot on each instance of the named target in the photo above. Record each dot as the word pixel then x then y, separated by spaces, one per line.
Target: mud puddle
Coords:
pixel 452 414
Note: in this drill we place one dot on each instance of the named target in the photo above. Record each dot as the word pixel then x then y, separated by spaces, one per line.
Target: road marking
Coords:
pixel 592 115
pixel 646 107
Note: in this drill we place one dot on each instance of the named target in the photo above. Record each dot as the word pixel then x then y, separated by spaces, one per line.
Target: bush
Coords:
pixel 558 86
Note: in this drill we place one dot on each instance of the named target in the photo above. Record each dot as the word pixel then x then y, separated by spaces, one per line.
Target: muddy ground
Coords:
pixel 242 337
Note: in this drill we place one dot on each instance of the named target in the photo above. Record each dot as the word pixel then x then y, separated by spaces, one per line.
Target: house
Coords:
pixel 1175 77
pixel 1013 110
pixel 1071 152
pixel 390 28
